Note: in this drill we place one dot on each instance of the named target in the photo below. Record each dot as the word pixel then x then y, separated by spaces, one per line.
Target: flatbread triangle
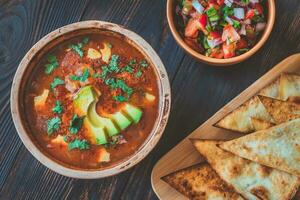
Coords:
pixel 201 182
pixel 277 147
pixel 250 179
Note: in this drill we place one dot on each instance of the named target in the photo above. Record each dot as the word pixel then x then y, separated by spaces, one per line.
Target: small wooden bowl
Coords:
pixel 214 61
pixel 29 63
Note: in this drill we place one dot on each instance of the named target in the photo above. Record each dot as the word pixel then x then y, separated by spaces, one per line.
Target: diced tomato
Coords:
pixel 229 50
pixel 216 53
pixel 215 35
pixel 220 2
pixel 259 8
pixel 250 14
pixel 191 29
pixel 241 44
pixel 203 23
pixel 213 3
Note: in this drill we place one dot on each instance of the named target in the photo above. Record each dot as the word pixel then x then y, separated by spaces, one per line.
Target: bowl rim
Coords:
pixel 216 61
pixel 148 144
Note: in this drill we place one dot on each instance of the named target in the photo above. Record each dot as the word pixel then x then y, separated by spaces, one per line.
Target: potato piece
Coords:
pixel 40 101
pixel 106 52
pixel 59 140
pixel 149 97
pixel 93 54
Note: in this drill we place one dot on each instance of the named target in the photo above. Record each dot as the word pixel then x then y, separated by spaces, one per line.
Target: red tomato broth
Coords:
pixel 135 134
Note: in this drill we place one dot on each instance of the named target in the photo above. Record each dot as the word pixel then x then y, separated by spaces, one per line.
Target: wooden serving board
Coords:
pixel 184 154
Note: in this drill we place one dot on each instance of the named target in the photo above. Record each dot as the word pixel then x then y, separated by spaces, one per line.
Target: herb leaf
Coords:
pixel 78 144
pixel 120 98
pixel 77 49
pixel 56 81
pixel 138 74
pixel 57 108
pixel 53 64
pixel 81 78
pixel 144 63
pixel 75 124
pixel 128 69
pixel 85 40
pixel 53 125
pixel 113 64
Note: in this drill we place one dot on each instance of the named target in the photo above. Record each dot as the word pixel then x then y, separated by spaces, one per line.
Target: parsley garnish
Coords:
pixel 52 64
pixel 57 108
pixel 78 47
pixel 120 98
pixel 118 83
pixel 128 69
pixel 138 74
pixel 56 81
pixel 53 125
pixel 79 144
pixel 143 63
pixel 75 124
pixel 236 24
pixel 227 11
pixel 113 64
pixel 81 78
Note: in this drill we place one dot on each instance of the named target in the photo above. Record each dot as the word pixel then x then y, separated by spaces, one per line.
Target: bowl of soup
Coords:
pixel 90 99
pixel 221 32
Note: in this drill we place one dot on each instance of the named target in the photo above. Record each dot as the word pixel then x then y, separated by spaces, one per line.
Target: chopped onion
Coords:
pixel 239 13
pixel 228 2
pixel 228 20
pixel 260 26
pixel 247 21
pixel 198 7
pixel 243 30
pixel 230 33
pixel 214 42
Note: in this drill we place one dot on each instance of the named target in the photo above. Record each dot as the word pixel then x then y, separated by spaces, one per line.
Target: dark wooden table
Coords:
pixel 198 90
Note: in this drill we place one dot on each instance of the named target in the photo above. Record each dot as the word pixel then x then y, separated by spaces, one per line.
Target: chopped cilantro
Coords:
pixel 113 64
pixel 105 72
pixel 53 125
pixel 77 49
pixel 118 83
pixel 211 12
pixel 138 74
pixel 132 62
pixel 78 144
pixel 81 78
pixel 57 108
pixel 120 98
pixel 128 69
pixel 85 40
pixel 143 63
pixel 75 124
pixel 56 81
pixel 52 64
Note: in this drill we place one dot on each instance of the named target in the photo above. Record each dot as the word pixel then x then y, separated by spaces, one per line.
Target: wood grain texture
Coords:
pixel 198 90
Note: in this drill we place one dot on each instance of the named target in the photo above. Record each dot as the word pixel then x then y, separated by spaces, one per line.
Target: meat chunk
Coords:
pixel 70 59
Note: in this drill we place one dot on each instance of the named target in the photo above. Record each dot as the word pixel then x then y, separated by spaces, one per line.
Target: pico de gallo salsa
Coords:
pixel 221 28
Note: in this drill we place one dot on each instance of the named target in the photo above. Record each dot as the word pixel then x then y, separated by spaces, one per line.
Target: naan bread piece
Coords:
pixel 260 124
pixel 250 179
pixel 281 111
pixel 201 182
pixel 277 147
pixel 240 119
pixel 271 90
pixel 289 87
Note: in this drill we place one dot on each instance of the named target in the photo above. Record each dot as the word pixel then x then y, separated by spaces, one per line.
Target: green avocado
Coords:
pixel 97 120
pixel 134 113
pixel 96 134
pixel 121 120
pixel 85 96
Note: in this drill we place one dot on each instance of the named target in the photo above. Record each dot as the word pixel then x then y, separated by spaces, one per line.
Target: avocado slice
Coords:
pixel 134 113
pixel 121 120
pixel 96 134
pixel 97 120
pixel 85 96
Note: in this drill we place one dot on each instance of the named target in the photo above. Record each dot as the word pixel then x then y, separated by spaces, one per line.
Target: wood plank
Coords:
pixel 22 23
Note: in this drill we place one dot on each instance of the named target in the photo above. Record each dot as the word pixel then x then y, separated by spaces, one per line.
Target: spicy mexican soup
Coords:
pixel 92 101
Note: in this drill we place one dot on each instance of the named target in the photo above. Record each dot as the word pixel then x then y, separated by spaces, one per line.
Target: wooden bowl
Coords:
pixel 214 61
pixel 29 63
